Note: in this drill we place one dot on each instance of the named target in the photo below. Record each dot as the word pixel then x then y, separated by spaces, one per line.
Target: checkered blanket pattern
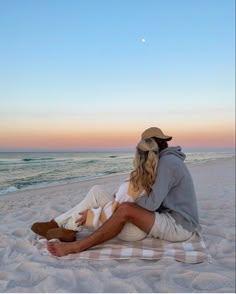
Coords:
pixel 190 251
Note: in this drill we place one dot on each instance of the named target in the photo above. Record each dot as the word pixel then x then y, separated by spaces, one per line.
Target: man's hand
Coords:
pixel 82 218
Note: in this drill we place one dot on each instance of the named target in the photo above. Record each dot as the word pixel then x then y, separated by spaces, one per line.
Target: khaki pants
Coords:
pixel 166 228
pixel 97 197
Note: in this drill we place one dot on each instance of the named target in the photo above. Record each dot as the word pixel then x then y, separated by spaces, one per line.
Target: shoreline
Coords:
pixel 82 180
pixel 58 184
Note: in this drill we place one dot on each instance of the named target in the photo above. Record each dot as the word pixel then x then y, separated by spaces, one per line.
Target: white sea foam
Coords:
pixel 8 190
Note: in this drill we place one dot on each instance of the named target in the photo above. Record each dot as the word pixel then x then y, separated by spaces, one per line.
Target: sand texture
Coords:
pixel 23 269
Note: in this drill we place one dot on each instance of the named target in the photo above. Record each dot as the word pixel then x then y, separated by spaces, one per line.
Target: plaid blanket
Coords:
pixel 190 251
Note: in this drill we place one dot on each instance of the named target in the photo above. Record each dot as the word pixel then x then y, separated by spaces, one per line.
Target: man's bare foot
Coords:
pixel 60 248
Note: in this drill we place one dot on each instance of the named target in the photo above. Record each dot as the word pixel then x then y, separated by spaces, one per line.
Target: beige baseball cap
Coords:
pixel 155 132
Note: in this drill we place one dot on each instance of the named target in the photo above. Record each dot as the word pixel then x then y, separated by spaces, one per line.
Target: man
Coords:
pixel 169 212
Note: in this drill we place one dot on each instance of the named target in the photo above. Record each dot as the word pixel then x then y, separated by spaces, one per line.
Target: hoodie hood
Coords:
pixel 173 150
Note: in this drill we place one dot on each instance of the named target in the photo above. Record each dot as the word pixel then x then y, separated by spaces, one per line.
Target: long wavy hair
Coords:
pixel 145 165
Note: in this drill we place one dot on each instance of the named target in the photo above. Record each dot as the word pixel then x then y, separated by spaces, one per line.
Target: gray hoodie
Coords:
pixel 173 190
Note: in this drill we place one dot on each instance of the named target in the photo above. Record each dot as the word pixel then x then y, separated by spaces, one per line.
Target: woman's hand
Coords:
pixel 82 218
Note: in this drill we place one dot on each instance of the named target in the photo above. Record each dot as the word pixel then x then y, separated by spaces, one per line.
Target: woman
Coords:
pixel 98 206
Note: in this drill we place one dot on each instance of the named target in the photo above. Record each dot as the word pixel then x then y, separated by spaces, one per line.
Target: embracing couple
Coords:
pixel 157 200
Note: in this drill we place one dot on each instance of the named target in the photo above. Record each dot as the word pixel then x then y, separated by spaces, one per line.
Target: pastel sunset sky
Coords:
pixel 94 74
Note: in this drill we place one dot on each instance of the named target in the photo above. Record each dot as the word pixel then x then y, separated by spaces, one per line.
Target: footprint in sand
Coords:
pixel 211 281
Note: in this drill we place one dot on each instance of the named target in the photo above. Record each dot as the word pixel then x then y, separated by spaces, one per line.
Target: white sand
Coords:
pixel 23 269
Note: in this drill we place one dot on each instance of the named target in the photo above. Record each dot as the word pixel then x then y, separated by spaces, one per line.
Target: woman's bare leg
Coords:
pixel 126 212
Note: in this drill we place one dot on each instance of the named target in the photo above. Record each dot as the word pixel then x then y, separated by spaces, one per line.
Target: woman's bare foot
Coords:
pixel 60 248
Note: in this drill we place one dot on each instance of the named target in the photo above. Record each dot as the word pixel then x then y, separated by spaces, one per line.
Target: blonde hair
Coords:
pixel 145 165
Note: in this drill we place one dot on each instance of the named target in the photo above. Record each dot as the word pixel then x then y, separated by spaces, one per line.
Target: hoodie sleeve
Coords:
pixel 164 182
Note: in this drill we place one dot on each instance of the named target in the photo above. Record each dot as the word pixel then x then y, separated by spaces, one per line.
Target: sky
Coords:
pixel 94 74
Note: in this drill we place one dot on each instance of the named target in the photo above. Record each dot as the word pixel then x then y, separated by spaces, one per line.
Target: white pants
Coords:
pixel 97 197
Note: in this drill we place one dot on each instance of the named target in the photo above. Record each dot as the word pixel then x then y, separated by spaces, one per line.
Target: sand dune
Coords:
pixel 23 269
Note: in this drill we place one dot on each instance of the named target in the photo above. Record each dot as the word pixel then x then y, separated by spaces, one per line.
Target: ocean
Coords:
pixel 24 170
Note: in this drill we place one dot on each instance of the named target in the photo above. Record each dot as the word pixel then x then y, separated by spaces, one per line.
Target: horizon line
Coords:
pixel 185 149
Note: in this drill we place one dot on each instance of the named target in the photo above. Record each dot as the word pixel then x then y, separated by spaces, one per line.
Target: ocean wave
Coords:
pixel 193 158
pixel 109 172
pixel 7 190
pixel 6 162
pixel 88 161
pixel 25 184
pixel 28 161
pixel 39 181
pixel 38 159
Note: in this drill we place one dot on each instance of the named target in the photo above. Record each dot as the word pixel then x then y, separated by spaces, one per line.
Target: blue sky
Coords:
pixel 84 62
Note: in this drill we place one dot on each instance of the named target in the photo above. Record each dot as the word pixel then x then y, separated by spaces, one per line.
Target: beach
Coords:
pixel 24 269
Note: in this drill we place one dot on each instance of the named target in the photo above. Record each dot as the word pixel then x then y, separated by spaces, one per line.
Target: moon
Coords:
pixel 143 40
